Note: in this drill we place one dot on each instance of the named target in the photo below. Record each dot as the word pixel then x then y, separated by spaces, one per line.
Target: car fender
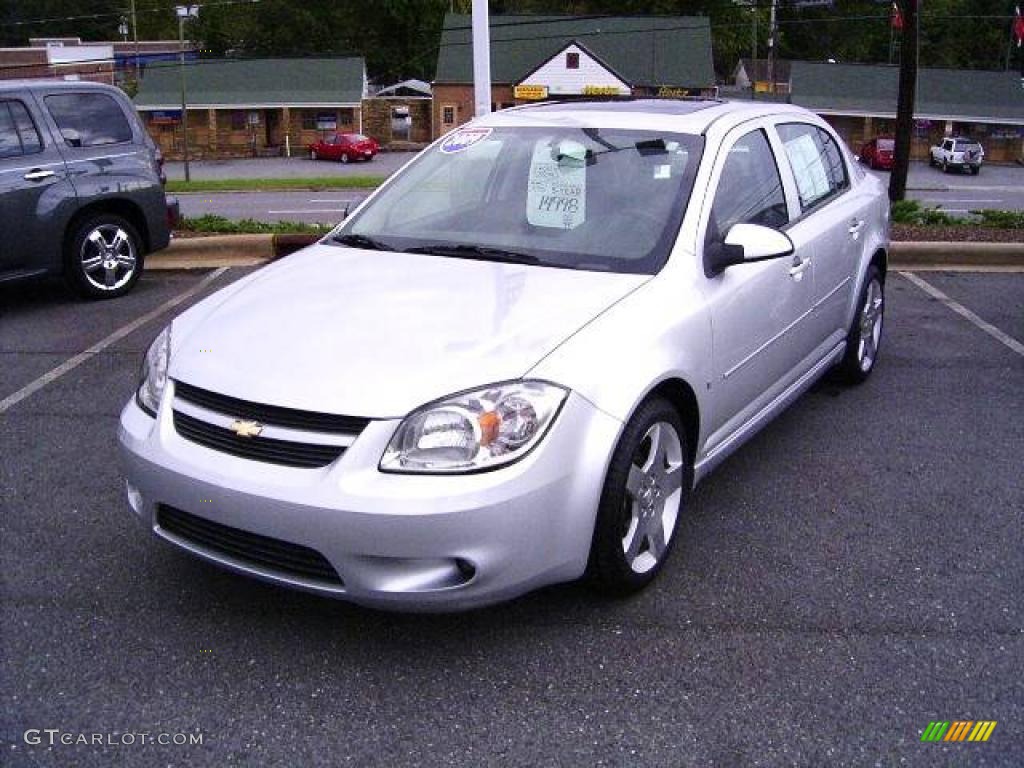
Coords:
pixel 625 353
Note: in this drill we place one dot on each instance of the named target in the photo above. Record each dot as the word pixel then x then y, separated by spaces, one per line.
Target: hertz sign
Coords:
pixel 530 92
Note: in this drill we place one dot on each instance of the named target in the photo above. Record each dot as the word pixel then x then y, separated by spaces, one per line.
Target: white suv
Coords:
pixel 512 363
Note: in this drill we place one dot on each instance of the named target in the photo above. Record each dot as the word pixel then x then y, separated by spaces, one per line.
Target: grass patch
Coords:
pixel 261 185
pixel 212 224
pixel 913 213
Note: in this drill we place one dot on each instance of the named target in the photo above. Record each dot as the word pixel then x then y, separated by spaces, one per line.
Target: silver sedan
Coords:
pixel 511 365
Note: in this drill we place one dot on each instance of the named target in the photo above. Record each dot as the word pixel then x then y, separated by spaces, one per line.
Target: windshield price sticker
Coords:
pixel 557 189
pixel 463 139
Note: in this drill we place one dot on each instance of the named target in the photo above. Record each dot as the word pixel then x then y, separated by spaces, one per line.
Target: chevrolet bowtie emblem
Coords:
pixel 244 428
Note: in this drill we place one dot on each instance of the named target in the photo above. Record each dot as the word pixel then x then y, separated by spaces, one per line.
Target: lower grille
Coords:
pixel 284 452
pixel 261 551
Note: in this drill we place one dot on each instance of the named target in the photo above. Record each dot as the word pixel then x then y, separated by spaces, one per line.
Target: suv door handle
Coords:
pixel 855 226
pixel 37 174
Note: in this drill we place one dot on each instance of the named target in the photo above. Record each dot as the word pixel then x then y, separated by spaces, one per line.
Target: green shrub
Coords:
pixel 905 212
pixel 1000 219
pixel 213 224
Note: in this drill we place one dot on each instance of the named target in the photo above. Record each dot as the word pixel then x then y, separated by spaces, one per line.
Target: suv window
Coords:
pixel 749 189
pixel 18 134
pixel 817 163
pixel 89 119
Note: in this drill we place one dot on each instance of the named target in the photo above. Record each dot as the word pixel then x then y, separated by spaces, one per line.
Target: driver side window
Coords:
pixel 749 189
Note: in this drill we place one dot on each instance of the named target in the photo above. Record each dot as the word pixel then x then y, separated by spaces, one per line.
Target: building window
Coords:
pixel 448 115
pixel 308 120
pixel 347 117
pixel 238 120
pixel 572 60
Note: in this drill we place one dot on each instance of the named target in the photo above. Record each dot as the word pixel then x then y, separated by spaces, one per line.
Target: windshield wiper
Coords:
pixel 362 241
pixel 478 252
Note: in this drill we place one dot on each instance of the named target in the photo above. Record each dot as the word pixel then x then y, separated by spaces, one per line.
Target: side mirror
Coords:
pixel 72 137
pixel 744 244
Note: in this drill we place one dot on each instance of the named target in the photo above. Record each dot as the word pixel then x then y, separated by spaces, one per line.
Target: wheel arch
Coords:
pixel 126 209
pixel 682 396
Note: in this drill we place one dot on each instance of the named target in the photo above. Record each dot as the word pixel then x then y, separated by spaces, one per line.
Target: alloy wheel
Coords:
pixel 870 325
pixel 108 257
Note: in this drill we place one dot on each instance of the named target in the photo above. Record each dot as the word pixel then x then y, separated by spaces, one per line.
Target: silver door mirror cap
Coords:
pixel 759 243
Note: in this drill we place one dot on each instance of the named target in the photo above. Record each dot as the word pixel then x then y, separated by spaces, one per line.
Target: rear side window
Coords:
pixel 749 189
pixel 89 119
pixel 817 163
pixel 18 134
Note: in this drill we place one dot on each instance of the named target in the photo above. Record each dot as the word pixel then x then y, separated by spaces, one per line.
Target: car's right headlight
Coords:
pixel 153 375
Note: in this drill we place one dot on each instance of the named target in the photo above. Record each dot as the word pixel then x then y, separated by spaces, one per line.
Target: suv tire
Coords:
pixel 102 256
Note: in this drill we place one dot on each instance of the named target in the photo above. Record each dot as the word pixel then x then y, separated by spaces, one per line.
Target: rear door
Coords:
pixel 36 197
pixel 832 215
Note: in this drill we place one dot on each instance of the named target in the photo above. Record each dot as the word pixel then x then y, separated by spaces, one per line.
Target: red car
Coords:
pixel 878 152
pixel 344 147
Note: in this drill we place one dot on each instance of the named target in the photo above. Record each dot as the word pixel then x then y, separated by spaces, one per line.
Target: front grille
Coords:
pixel 285 452
pixel 271 414
pixel 262 551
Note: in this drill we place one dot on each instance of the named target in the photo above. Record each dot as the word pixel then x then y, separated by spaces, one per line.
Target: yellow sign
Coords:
pixel 530 92
pixel 668 92
pixel 601 90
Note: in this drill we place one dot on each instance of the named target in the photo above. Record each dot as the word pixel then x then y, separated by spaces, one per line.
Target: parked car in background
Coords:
pixel 877 153
pixel 344 147
pixel 510 366
pixel 955 153
pixel 81 186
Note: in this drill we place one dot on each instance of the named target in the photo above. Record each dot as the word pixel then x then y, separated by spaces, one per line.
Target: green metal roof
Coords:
pixel 255 83
pixel 642 50
pixel 871 89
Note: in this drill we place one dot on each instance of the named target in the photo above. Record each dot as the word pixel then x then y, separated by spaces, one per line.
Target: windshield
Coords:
pixel 579 198
pixel 886 145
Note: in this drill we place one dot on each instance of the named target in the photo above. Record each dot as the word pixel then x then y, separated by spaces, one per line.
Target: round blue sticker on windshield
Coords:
pixel 463 139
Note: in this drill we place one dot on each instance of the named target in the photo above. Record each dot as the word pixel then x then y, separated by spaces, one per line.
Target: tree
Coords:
pixel 905 100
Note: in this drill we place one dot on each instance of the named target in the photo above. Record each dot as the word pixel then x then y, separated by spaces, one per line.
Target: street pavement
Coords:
pixel 298 167
pixel 1000 187
pixel 850 575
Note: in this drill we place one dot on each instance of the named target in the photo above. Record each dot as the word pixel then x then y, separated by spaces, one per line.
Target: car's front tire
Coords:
pixel 344 157
pixel 103 257
pixel 313 155
pixel 864 338
pixel 645 492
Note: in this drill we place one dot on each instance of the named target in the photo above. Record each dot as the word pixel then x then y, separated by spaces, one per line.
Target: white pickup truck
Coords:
pixel 956 152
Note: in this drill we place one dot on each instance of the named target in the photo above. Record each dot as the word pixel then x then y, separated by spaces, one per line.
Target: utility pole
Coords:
pixel 184 12
pixel 772 32
pixel 753 49
pixel 135 37
pixel 481 59
pixel 905 102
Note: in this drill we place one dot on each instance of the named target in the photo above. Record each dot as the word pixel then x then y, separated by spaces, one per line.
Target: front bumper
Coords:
pixel 412 542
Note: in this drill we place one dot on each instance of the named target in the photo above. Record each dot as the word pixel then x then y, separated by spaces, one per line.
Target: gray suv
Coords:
pixel 81 186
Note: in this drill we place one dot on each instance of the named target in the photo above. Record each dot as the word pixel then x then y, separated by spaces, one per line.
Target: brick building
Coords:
pixel 249 108
pixel 567 57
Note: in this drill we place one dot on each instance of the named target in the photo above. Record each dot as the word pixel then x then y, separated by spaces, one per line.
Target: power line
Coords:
pixel 117 14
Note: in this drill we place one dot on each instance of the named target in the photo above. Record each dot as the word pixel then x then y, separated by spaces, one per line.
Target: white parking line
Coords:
pixel 964 312
pixel 318 210
pixel 332 201
pixel 947 200
pixel 71 363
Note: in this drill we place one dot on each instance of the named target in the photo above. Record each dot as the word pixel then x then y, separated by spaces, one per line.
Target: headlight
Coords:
pixel 476 430
pixel 153 376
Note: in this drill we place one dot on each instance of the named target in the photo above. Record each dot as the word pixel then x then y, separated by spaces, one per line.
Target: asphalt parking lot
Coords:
pixel 850 575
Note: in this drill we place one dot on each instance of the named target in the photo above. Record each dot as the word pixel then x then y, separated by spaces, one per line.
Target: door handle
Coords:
pixel 799 266
pixel 855 226
pixel 37 175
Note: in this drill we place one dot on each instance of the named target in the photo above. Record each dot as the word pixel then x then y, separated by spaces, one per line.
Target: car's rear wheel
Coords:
pixel 644 494
pixel 313 155
pixel 945 166
pixel 344 157
pixel 865 335
pixel 103 257
pixel 975 170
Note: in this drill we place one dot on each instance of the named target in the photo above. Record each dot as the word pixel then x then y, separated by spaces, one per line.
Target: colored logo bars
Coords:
pixel 959 730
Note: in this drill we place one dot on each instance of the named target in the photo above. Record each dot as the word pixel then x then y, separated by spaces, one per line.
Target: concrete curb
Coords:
pixel 250 250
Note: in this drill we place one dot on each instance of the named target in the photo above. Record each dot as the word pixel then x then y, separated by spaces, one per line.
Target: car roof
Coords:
pixel 55 85
pixel 681 115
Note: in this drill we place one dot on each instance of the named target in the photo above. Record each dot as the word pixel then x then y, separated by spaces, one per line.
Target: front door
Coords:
pixel 32 173
pixel 759 311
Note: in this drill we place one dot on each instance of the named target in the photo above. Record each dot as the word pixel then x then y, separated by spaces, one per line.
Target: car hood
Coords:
pixel 377 334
